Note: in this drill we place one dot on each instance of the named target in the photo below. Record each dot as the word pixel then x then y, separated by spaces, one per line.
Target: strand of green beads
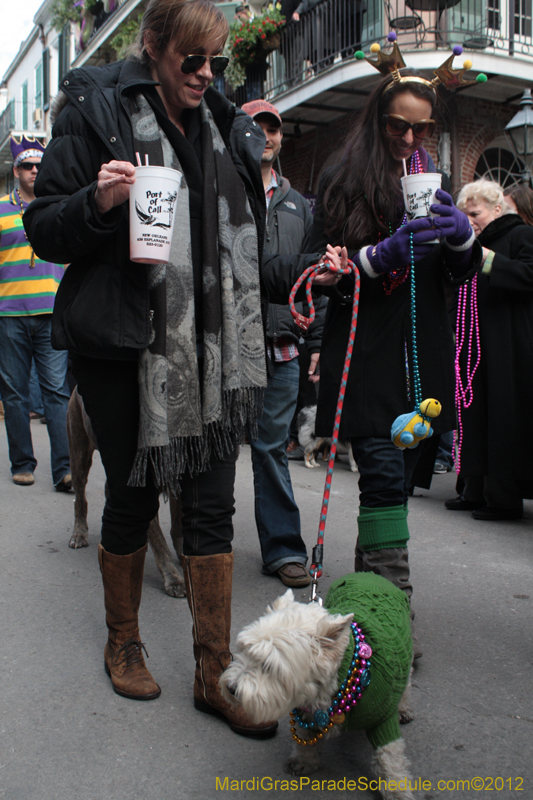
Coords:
pixel 416 372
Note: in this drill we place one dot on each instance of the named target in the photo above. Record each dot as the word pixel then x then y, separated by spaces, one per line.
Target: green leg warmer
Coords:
pixel 381 528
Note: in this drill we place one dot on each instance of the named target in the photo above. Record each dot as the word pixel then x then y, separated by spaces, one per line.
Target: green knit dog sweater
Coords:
pixel 382 611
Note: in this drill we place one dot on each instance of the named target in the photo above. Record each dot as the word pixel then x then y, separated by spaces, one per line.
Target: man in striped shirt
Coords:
pixel 27 291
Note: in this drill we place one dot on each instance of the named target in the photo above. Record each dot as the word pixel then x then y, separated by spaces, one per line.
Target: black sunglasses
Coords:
pixel 193 63
pixel 27 166
pixel 395 125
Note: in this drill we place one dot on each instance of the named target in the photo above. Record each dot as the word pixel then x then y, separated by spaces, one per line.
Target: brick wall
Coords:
pixel 479 123
pixel 303 160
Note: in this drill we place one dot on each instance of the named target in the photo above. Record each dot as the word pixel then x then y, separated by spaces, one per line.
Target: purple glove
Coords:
pixel 395 252
pixel 452 223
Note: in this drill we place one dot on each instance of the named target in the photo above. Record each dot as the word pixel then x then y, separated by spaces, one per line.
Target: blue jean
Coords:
pixel 445 451
pixel 276 513
pixel 384 471
pixel 36 400
pixel 384 479
pixel 21 339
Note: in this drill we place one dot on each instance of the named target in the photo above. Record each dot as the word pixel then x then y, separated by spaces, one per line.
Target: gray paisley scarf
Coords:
pixel 186 418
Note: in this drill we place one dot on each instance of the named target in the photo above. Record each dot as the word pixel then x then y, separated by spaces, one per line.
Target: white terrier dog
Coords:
pixel 329 671
pixel 312 443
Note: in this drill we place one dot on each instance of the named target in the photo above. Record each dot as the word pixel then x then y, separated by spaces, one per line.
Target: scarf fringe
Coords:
pixel 168 463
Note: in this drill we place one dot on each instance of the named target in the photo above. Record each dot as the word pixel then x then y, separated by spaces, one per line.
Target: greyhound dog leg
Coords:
pixel 81 458
pixel 172 580
pixel 82 444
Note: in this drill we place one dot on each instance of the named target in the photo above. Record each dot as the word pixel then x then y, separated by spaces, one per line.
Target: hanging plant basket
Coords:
pixel 271 43
pixel 252 40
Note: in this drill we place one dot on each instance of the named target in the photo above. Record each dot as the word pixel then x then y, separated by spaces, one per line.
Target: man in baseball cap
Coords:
pixel 260 107
pixel 276 513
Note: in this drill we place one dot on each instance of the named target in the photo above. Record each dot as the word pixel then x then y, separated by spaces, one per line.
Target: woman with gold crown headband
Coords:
pixel 360 205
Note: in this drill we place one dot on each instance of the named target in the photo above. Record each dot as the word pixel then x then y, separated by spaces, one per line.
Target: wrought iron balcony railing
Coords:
pixel 329 32
pixel 333 30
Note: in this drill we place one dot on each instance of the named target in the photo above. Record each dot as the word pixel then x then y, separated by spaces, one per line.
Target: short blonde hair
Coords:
pixel 187 24
pixel 482 191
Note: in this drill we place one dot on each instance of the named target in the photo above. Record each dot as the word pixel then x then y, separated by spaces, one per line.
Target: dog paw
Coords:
pixel 405 715
pixel 299 766
pixel 78 539
pixel 174 585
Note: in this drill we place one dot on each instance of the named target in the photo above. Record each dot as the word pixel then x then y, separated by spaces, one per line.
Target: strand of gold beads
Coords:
pixel 350 693
pixel 314 739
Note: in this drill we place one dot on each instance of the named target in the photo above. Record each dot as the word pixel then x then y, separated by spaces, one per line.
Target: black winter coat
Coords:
pixel 379 388
pixel 498 427
pixel 102 305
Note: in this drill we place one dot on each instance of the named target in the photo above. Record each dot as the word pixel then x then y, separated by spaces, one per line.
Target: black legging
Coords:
pixel 110 393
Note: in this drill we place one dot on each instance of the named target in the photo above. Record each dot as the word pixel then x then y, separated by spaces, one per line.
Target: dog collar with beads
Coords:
pixel 345 699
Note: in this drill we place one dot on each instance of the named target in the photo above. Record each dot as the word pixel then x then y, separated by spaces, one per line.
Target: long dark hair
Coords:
pixel 363 198
pixel 522 196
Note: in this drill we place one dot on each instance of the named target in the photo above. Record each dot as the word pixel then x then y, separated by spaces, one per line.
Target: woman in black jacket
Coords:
pixel 496 430
pixel 360 205
pixel 170 361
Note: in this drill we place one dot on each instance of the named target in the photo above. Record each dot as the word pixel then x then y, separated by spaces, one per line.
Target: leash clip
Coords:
pixel 314 596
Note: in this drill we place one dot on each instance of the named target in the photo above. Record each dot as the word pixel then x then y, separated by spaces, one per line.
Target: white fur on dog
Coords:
pixel 289 658
pixel 389 763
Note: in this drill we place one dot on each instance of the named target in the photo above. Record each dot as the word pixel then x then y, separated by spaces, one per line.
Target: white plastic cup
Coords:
pixel 419 194
pixel 153 199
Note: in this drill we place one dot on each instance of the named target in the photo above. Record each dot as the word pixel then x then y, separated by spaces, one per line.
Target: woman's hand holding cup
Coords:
pixel 412 241
pixel 451 223
pixel 113 188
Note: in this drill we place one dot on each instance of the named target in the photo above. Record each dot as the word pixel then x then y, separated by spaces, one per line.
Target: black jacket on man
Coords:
pixel 102 305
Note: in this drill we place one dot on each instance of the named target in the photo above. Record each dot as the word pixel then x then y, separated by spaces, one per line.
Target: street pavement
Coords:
pixel 64 734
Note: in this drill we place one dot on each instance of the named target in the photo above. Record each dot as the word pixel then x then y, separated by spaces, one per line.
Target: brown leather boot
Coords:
pixel 208 585
pixel 123 658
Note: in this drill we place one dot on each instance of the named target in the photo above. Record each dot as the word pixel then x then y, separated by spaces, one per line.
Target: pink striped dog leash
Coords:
pixel 308 276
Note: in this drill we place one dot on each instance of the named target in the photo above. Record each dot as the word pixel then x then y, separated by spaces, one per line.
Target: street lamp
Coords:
pixel 519 134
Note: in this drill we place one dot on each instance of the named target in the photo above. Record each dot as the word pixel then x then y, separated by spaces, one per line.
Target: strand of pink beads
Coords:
pixel 350 692
pixel 467 334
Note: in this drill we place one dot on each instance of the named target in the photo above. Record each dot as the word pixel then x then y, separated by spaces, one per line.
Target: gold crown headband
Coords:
pixel 392 63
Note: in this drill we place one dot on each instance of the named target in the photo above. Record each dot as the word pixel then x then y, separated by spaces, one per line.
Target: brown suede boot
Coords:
pixel 123 659
pixel 208 585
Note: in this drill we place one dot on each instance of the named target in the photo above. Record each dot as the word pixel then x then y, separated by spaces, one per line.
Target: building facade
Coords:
pixel 29 86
